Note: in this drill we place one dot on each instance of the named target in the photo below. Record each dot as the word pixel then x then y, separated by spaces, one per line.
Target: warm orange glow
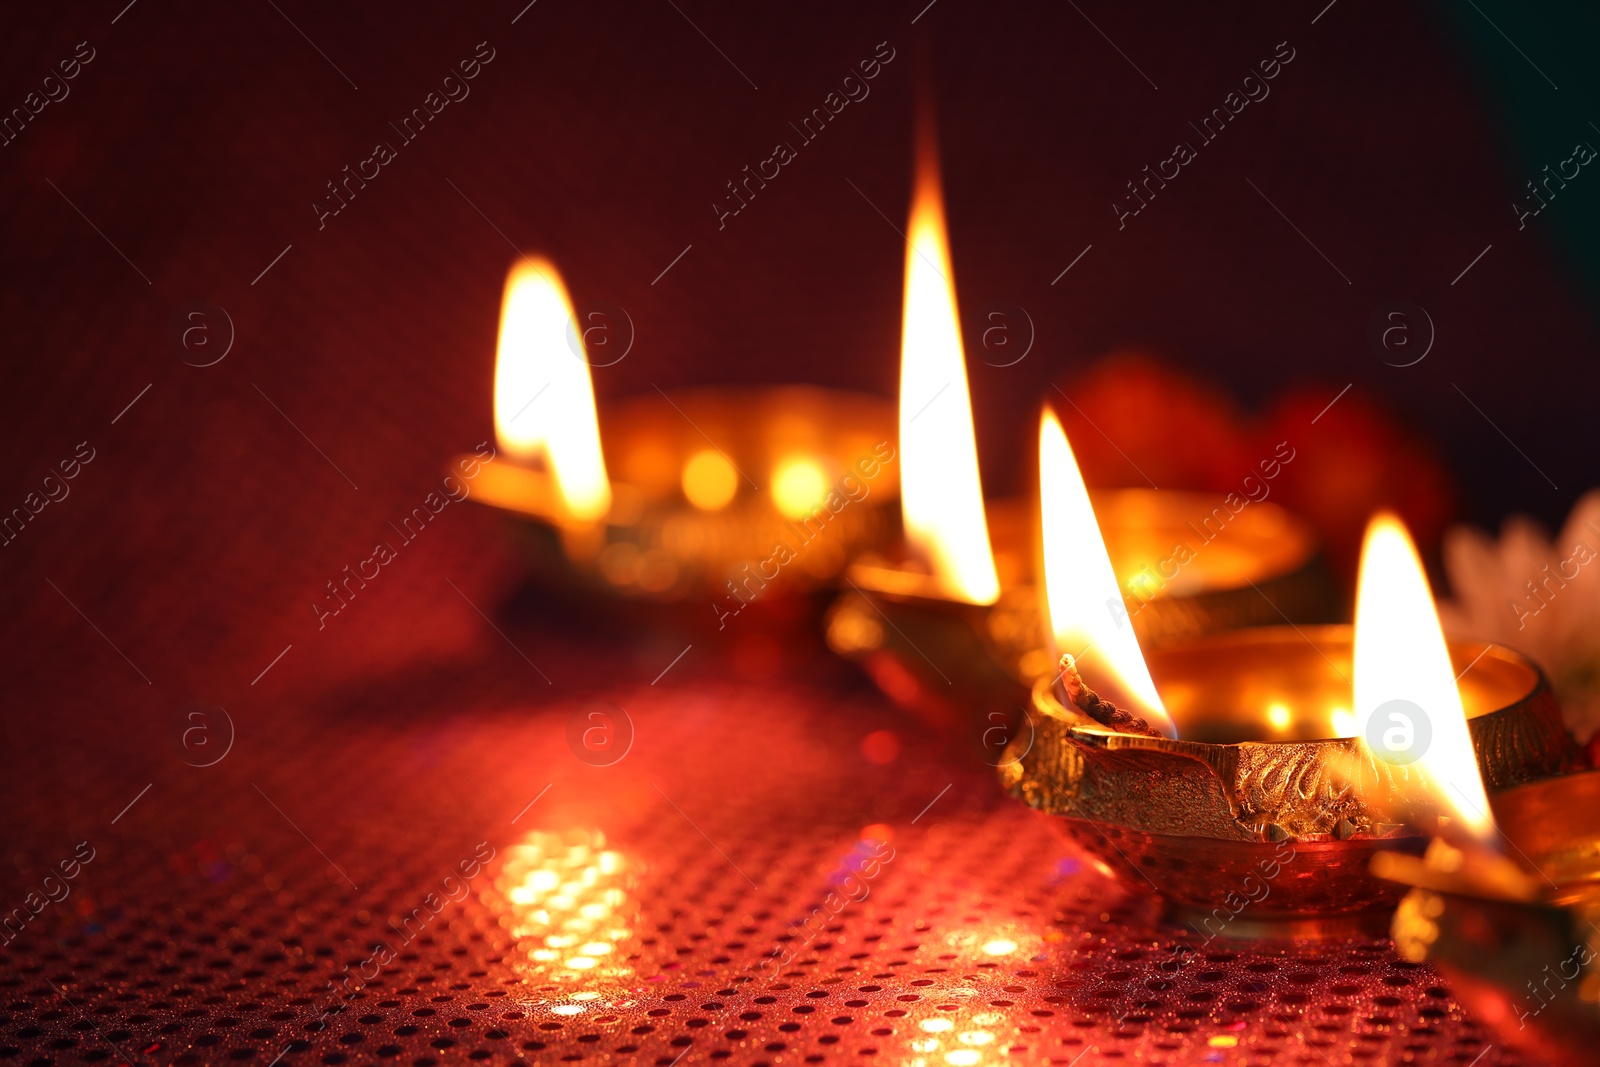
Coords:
pixel 1408 709
pixel 798 485
pixel 1344 722
pixel 1084 603
pixel 941 498
pixel 1279 716
pixel 543 398
pixel 709 480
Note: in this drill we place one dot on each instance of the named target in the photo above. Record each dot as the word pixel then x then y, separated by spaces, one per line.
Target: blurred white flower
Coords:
pixel 1538 596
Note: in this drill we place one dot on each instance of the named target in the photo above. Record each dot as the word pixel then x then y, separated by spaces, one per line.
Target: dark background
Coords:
pixel 200 135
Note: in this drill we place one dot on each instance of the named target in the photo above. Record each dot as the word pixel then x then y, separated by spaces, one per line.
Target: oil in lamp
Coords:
pixel 1232 772
pixel 730 495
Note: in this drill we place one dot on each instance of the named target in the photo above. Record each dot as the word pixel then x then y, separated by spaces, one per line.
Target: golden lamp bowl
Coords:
pixel 792 461
pixel 1523 957
pixel 1186 572
pixel 1188 567
pixel 1249 823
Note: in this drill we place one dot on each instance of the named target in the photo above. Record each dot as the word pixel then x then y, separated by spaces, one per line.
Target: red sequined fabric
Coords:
pixel 437 883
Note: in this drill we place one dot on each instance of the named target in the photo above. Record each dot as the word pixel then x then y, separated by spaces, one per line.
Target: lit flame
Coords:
pixel 1086 611
pixel 1401 656
pixel 941 498
pixel 543 398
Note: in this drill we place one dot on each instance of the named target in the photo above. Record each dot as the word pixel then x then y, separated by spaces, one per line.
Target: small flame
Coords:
pixel 1086 611
pixel 941 498
pixel 1404 680
pixel 543 397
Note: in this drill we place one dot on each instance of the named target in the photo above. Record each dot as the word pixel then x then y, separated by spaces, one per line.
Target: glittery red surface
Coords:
pixel 279 901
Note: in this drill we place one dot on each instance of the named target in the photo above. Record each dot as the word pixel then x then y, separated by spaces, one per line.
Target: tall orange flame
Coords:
pixel 1408 709
pixel 543 397
pixel 941 497
pixel 1087 614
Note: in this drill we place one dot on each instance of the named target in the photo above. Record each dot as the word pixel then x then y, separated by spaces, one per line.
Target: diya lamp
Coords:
pixel 730 495
pixel 946 620
pixel 1231 772
pixel 912 614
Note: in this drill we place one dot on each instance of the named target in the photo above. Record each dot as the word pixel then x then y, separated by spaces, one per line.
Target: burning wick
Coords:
pixel 1097 707
pixel 1083 604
